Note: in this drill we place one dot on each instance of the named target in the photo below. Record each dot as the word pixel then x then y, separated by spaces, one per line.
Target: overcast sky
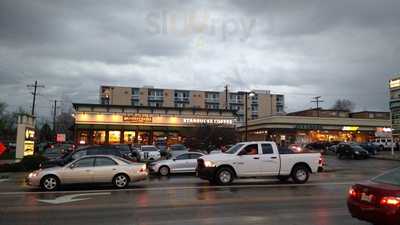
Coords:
pixel 336 49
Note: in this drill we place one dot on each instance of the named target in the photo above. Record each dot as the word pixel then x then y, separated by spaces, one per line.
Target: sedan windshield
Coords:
pixel 234 149
pixel 391 177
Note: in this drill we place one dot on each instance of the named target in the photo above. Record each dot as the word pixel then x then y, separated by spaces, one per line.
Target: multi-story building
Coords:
pixel 394 86
pixel 260 103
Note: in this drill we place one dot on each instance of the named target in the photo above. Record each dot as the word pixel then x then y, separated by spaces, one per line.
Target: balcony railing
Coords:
pixel 181 99
pixel 236 101
pixel 212 100
pixel 156 98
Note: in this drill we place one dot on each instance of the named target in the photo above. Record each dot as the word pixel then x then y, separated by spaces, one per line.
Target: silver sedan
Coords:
pixel 89 169
pixel 184 163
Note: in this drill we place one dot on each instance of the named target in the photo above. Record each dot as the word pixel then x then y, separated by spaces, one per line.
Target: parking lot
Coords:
pixel 185 199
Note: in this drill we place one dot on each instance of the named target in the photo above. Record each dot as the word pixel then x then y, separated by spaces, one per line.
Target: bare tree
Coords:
pixel 344 104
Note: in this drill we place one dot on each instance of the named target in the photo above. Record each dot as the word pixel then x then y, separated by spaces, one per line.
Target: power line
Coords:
pixel 34 93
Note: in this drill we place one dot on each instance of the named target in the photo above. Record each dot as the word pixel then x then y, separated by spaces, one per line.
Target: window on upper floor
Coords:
pixel 181 95
pixel 155 104
pixel 212 106
pixel 135 91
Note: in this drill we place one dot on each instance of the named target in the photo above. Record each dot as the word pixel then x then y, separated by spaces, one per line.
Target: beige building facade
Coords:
pixel 261 104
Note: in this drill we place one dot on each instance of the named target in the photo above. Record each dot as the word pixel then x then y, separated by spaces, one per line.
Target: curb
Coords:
pixel 381 158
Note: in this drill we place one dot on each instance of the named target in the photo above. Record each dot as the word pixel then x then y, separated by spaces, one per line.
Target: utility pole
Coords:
pixel 226 96
pixel 54 115
pixel 34 93
pixel 317 101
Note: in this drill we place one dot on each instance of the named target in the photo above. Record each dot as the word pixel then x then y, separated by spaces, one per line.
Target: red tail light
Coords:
pixel 352 193
pixel 390 201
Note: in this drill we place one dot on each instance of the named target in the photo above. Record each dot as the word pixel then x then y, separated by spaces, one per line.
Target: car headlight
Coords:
pixel 357 152
pixel 33 174
pixel 209 163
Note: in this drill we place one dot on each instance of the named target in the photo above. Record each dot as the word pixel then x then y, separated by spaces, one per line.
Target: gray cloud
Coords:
pixel 337 49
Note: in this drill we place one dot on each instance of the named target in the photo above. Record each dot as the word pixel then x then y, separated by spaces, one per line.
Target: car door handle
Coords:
pixel 273 157
pixel 256 158
pixel 114 169
pixel 88 170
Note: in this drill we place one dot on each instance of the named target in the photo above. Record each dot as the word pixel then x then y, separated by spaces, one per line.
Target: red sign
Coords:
pixel 2 148
pixel 60 137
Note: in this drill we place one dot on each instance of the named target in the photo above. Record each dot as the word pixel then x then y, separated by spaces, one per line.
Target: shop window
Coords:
pixel 99 137
pixel 143 138
pixel 129 137
pixel 114 137
pixel 83 138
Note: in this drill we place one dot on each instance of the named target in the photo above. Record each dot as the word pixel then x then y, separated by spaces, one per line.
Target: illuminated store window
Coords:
pixel 114 137
pixel 143 138
pixel 129 137
pixel 99 137
pixel 83 138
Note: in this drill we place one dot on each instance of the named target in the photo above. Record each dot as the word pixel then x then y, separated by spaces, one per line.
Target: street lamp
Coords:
pixel 246 96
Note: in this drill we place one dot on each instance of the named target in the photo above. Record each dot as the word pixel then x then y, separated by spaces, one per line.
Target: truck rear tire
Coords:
pixel 224 176
pixel 300 174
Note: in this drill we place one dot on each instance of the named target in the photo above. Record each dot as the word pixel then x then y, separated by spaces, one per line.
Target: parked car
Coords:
pixel 333 148
pixel 89 169
pixel 370 147
pixel 177 149
pixel 384 143
pixel 377 200
pixel 296 147
pixel 351 151
pixel 257 159
pixel 148 153
pixel 317 145
pixel 53 153
pixel 90 150
pixel 184 163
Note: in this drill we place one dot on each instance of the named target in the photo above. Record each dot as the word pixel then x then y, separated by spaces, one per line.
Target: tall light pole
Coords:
pixel 246 95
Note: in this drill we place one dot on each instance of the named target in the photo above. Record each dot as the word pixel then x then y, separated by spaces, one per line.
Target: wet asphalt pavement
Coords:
pixel 188 200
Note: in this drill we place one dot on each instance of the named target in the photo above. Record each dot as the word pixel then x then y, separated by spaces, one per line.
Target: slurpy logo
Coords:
pixel 195 23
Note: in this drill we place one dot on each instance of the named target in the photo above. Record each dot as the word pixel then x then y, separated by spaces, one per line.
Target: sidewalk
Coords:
pixel 8 161
pixel 13 175
pixel 387 155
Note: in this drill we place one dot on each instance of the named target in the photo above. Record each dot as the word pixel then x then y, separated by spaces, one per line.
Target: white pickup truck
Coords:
pixel 258 159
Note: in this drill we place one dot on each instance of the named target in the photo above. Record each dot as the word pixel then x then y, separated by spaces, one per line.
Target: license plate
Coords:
pixel 366 198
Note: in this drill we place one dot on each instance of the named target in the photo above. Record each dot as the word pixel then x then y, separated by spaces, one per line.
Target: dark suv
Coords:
pixel 118 150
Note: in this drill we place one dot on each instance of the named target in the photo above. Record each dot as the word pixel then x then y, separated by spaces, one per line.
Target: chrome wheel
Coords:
pixel 121 181
pixel 225 177
pixel 301 175
pixel 164 171
pixel 49 183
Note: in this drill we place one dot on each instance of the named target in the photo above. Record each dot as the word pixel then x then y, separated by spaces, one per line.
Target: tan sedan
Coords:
pixel 89 169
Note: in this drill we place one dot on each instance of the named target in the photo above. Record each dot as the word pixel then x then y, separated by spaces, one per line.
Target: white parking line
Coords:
pixel 186 188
